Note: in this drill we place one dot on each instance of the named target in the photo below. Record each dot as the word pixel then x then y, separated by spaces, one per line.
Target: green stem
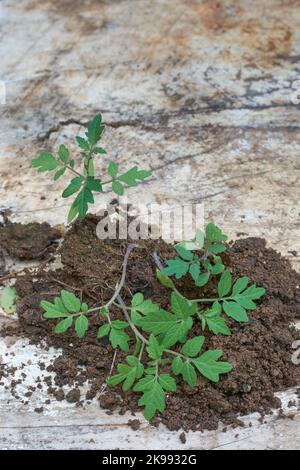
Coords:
pixel 71 169
pixel 218 299
pixel 141 351
pixel 107 182
pixel 174 353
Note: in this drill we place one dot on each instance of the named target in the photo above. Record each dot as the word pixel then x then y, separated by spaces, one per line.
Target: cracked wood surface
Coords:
pixel 202 92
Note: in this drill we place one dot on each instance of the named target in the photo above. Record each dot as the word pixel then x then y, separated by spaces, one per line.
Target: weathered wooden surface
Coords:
pixel 204 93
pixel 62 425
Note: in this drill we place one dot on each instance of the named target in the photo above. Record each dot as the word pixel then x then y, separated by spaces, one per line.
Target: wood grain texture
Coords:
pixel 202 92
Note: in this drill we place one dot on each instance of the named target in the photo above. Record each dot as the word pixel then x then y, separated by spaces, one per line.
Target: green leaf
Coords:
pixel 104 312
pixel 176 267
pixel 182 306
pixel 73 212
pixel 167 382
pixel 119 324
pixel 224 285
pixel 127 373
pixel 235 311
pixel 119 338
pixel 209 366
pixel 45 162
pixel 217 324
pixel 189 245
pixel 59 173
pixel 246 298
pixel 177 332
pixel 153 400
pixel 8 299
pixel 54 310
pixel 95 130
pixel 217 269
pixel 133 176
pixel 137 299
pixel 117 188
pixel 103 330
pixel 94 184
pixel 82 200
pixel 216 248
pixel 183 253
pixel 99 150
pixel 177 365
pixel 73 187
pixel 214 234
pixel 164 280
pixel 240 285
pixel 81 325
pixel 173 326
pixel 193 346
pixel 70 301
pixel 83 143
pixel 144 383
pixel 202 280
pixel 63 325
pixel 63 153
pixel 254 292
pixel 139 304
pixel 113 169
pixel 189 374
pixel 154 349
pixel 195 271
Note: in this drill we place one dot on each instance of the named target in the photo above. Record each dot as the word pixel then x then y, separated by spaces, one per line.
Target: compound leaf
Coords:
pixel 81 325
pixel 177 267
pixel 209 366
pixel 70 301
pixel 45 162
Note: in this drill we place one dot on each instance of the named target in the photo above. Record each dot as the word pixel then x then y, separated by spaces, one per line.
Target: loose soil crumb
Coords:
pixel 28 241
pixel 39 410
pixel 73 396
pixel 135 424
pixel 260 351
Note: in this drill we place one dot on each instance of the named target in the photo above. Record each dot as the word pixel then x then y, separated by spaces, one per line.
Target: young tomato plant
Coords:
pixel 84 183
pixel 160 344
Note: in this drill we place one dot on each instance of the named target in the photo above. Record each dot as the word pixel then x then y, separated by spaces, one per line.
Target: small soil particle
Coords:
pixel 135 424
pixel 39 410
pixel 109 401
pixel 182 437
pixel 73 396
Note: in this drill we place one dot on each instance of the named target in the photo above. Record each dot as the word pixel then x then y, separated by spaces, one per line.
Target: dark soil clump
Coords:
pixel 28 241
pixel 260 351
